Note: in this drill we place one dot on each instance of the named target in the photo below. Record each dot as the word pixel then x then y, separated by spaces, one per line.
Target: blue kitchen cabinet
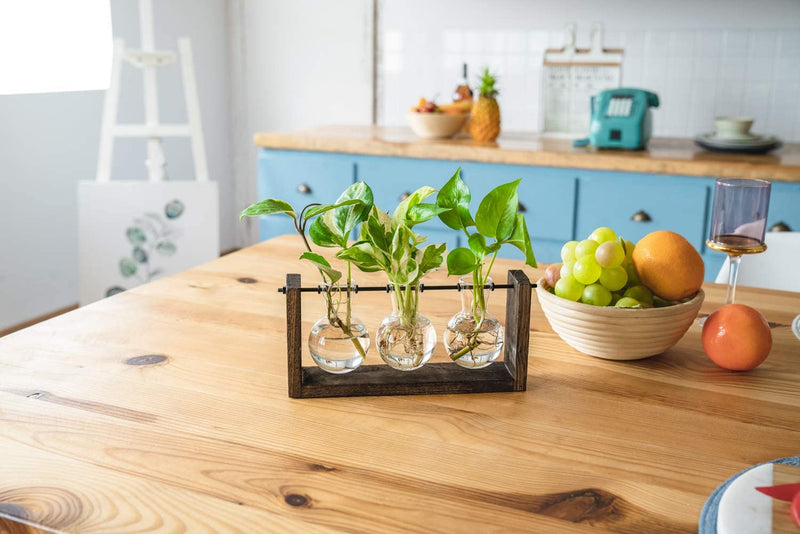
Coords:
pixel 784 205
pixel 560 204
pixel 636 204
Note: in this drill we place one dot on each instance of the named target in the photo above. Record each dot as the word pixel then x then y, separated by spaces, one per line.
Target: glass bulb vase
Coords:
pixel 474 336
pixel 338 341
pixel 406 339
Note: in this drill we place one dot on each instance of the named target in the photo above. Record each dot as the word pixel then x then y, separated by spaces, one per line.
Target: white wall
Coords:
pixel 715 57
pixel 49 141
pixel 295 64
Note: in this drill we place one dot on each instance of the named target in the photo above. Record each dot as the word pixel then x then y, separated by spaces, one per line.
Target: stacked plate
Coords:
pixel 744 143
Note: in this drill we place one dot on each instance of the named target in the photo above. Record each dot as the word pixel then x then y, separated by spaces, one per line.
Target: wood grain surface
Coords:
pixel 165 409
pixel 663 155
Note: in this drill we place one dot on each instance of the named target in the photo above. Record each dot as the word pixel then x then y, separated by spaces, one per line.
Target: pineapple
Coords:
pixel 485 120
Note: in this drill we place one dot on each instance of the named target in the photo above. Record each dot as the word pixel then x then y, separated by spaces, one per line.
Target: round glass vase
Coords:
pixel 405 339
pixel 474 336
pixel 338 341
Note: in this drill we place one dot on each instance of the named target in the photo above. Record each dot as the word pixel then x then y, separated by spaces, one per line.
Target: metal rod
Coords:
pixel 388 288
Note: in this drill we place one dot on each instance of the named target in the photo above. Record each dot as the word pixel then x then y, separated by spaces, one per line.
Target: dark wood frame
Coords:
pixel 434 378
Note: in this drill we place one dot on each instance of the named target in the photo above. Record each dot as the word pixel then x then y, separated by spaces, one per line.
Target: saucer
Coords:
pixel 757 144
pixel 734 137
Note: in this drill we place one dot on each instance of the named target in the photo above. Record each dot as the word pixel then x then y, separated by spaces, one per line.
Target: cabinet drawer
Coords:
pixel 302 178
pixel 670 202
pixel 546 195
pixel 784 205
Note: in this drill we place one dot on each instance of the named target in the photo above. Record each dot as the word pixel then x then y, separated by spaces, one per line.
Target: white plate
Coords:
pixel 755 141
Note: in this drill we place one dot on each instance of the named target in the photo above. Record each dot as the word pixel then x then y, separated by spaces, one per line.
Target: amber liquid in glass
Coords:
pixel 736 244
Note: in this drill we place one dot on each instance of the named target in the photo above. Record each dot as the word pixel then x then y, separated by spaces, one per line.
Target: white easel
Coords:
pixel 130 231
pixel 149 59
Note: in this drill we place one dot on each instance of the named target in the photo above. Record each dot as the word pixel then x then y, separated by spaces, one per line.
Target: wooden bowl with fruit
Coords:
pixel 618 301
pixel 431 121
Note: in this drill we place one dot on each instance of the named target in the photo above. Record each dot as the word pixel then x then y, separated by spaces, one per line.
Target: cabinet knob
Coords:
pixel 521 208
pixel 404 195
pixel 641 216
pixel 780 226
pixel 303 189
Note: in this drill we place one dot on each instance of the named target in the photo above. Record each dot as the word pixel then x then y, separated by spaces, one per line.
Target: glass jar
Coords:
pixel 338 341
pixel 405 338
pixel 474 336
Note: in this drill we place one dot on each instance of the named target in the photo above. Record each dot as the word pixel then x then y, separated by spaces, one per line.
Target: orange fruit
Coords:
pixel 737 337
pixel 668 265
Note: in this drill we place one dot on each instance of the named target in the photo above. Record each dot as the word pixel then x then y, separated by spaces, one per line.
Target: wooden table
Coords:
pixel 165 409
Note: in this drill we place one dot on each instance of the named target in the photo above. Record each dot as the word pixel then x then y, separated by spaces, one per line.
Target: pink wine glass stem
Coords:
pixel 733 275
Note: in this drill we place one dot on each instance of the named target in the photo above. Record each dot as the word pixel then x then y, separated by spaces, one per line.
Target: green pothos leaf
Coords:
pixel 522 240
pixel 461 261
pixel 456 196
pixel 497 211
pixel 364 256
pixel 269 206
pixel 322 264
pixel 352 207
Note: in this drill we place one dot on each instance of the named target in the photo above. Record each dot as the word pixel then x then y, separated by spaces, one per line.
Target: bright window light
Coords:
pixel 51 46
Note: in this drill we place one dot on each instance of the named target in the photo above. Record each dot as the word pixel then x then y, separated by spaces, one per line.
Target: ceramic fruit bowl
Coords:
pixel 436 125
pixel 617 333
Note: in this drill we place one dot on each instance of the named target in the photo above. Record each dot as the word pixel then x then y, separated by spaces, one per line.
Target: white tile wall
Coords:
pixel 697 73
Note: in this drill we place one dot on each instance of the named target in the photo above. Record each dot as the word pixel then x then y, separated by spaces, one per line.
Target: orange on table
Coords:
pixel 737 337
pixel 668 265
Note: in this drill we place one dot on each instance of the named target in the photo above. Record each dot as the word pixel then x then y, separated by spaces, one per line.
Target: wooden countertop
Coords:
pixel 99 434
pixel 663 156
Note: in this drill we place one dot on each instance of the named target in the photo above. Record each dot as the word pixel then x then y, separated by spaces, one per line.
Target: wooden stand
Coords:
pixel 435 378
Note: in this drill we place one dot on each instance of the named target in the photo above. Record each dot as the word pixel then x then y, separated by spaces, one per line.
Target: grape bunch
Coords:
pixel 599 271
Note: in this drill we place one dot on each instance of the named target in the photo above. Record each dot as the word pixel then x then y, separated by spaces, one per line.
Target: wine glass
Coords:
pixel 738 222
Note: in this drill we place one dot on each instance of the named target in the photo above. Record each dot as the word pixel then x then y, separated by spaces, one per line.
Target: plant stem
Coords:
pixel 333 311
pixel 478 307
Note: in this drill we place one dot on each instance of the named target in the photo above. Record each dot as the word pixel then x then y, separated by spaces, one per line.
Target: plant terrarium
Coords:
pixel 474 336
pixel 338 341
pixel 406 339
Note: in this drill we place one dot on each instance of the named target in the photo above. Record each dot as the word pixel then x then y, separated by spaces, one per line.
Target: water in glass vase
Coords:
pixel 338 342
pixel 474 336
pixel 405 339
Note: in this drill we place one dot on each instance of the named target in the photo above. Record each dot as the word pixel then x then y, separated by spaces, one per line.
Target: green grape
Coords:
pixel 628 246
pixel 568 251
pixel 614 278
pixel 627 302
pixel 566 269
pixel 633 278
pixel 603 234
pixel 585 248
pixel 615 298
pixel 586 270
pixel 596 295
pixel 609 254
pixel 640 293
pixel 568 288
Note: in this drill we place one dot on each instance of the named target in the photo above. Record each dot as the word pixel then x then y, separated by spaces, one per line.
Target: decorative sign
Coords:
pixel 132 232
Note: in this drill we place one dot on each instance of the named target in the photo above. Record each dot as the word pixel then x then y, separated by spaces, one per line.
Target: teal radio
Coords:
pixel 621 118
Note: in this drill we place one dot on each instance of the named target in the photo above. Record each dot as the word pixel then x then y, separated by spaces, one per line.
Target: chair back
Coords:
pixel 777 268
